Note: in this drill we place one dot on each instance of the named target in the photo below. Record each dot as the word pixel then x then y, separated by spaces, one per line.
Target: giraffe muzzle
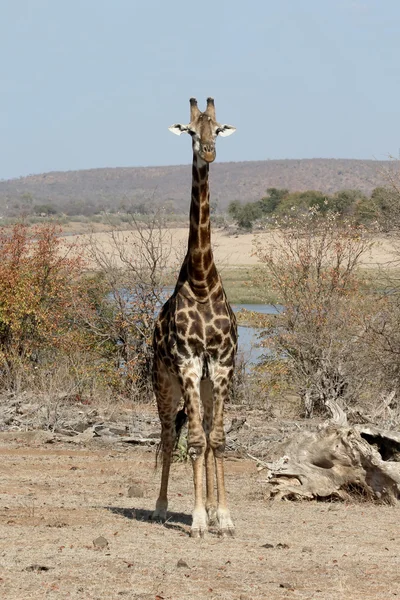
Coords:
pixel 207 152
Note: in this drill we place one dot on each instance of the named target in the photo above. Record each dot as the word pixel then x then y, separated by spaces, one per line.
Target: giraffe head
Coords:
pixel 203 129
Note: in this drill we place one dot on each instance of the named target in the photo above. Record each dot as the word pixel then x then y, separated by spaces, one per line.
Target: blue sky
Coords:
pixel 96 83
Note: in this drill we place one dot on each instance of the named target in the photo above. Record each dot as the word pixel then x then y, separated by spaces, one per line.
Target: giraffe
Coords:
pixel 195 343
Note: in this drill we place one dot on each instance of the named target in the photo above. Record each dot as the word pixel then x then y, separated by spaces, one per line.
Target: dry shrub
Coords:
pixel 39 279
pixel 122 299
pixel 316 340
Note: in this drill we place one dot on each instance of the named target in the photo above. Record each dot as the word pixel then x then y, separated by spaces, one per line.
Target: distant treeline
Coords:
pixel 27 206
pixel 381 207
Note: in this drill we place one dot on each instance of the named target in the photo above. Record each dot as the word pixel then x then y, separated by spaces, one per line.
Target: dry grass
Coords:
pixel 239 285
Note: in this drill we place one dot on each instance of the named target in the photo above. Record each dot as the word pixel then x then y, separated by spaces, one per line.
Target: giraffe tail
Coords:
pixel 180 422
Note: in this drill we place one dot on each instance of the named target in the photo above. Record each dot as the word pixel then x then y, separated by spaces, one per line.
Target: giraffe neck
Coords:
pixel 200 229
pixel 199 268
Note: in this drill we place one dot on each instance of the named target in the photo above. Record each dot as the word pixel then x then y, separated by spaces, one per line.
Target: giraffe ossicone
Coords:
pixel 195 343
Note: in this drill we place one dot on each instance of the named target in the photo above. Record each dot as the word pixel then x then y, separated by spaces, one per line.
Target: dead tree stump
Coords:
pixel 338 462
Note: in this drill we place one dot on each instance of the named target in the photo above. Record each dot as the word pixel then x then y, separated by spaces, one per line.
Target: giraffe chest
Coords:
pixel 189 331
pixel 210 330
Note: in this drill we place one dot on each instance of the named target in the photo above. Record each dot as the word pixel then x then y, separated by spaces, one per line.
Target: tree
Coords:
pixel 312 265
pixel 345 201
pixel 269 204
pixel 300 202
pixel 244 214
pixel 45 209
pixel 38 281
pixel 234 208
pixel 383 207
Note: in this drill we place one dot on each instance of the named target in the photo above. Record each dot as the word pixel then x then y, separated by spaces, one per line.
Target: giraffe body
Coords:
pixel 195 342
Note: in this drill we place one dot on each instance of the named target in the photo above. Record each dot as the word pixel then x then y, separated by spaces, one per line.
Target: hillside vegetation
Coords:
pixel 378 209
pixel 91 191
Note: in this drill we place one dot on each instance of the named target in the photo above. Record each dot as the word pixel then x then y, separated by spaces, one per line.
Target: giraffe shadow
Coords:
pixel 176 520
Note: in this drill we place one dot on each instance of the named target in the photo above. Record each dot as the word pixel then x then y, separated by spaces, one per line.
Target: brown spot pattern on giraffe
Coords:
pixel 196 329
pixel 204 237
pixel 205 216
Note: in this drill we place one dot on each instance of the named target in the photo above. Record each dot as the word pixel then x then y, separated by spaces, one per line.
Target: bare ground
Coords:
pixel 57 496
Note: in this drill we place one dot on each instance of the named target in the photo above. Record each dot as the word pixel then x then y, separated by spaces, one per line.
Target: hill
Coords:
pixel 87 191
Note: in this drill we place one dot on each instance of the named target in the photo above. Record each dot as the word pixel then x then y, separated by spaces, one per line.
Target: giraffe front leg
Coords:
pixel 199 515
pixel 211 504
pixel 196 449
pixel 217 442
pixel 225 523
pixel 207 401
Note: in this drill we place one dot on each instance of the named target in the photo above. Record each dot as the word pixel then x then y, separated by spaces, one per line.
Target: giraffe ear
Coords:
pixel 225 130
pixel 178 128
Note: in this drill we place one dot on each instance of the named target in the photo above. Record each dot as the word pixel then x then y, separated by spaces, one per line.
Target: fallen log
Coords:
pixel 338 462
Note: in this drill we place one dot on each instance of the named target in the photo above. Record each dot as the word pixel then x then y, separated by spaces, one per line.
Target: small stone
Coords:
pixel 267 546
pixel 135 491
pixel 84 437
pixel 56 523
pixel 287 586
pixel 37 568
pixel 307 549
pixel 282 546
pixel 100 542
pixel 182 563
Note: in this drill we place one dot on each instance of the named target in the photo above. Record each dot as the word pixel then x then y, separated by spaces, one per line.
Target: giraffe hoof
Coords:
pixel 226 526
pixel 197 533
pixel 227 532
pixel 199 523
pixel 158 517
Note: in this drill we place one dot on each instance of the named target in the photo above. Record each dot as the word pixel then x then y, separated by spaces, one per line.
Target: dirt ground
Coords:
pixel 57 497
pixel 235 250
